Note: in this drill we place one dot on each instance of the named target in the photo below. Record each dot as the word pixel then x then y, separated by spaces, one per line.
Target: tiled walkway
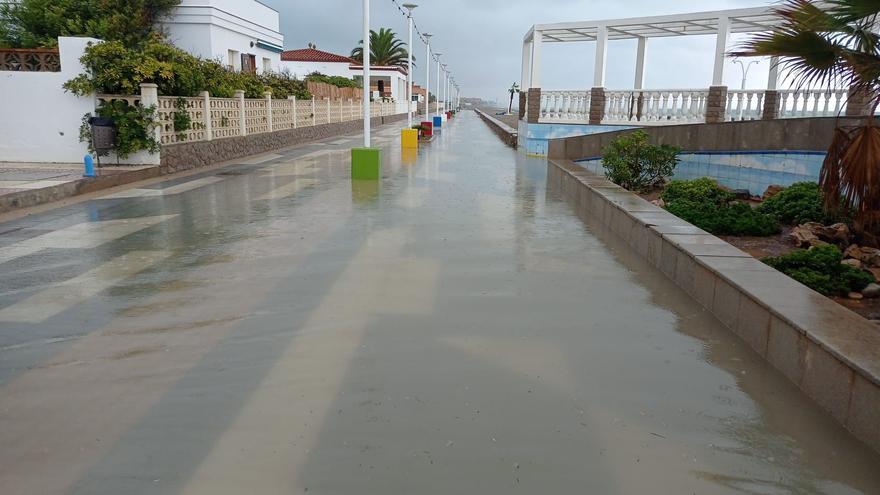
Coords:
pixel 275 328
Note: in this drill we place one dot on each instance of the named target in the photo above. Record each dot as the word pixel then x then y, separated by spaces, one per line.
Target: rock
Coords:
pixel 742 194
pixel 875 272
pixel 772 190
pixel 852 262
pixel 814 233
pixel 855 296
pixel 838 233
pixel 872 291
pixel 870 257
pixel 803 236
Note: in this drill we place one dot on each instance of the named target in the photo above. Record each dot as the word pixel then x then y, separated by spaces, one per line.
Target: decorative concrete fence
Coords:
pixel 677 106
pixel 217 118
pixel 30 59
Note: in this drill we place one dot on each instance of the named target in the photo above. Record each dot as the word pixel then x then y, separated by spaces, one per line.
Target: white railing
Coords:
pixel 565 106
pixel 677 105
pixel 203 118
pixel 795 103
pixel 744 104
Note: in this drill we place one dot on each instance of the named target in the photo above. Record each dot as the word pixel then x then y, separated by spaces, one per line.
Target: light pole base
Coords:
pixel 366 163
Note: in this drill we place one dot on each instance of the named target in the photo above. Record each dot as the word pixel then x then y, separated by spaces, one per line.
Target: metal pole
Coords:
pixel 427 75
pixel 409 77
pixel 366 57
pixel 439 84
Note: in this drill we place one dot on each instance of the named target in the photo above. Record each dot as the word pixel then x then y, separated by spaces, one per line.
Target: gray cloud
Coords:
pixel 482 39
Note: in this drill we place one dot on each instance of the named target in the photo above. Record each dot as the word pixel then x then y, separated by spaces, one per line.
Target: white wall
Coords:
pixel 40 120
pixel 302 69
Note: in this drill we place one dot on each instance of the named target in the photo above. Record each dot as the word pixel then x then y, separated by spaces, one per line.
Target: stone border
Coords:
pixel 802 134
pixel 829 352
pixel 505 132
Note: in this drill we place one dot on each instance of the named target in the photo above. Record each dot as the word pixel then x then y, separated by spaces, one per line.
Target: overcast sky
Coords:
pixel 482 40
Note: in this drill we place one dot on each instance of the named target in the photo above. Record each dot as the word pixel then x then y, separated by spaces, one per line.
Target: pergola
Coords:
pixel 720 23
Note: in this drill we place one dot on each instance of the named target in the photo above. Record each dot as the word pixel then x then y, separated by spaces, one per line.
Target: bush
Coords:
pixel 338 81
pixel 632 163
pixel 799 203
pixel 702 190
pixel 134 127
pixel 707 205
pixel 819 268
pixel 112 68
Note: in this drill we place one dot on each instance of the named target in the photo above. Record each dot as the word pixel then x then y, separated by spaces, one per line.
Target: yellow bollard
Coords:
pixel 409 138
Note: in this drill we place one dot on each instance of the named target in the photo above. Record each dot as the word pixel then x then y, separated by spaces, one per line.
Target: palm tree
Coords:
pixel 513 89
pixel 385 49
pixel 825 46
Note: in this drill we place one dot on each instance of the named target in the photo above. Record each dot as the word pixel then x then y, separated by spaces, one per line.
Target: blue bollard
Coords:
pixel 90 166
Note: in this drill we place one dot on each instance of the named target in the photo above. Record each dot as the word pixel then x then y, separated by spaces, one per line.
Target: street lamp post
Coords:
pixel 366 59
pixel 409 77
pixel 427 74
pixel 745 72
pixel 439 87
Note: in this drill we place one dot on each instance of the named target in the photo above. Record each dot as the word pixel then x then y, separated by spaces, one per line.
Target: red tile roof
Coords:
pixel 313 55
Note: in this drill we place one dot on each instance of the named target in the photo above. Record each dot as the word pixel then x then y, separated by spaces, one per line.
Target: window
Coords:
pixel 233 60
pixel 267 64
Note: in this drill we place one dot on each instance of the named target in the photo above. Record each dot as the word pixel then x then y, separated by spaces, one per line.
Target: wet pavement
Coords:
pixel 273 328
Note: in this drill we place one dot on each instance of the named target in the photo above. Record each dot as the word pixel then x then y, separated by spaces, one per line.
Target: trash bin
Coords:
pixel 103 135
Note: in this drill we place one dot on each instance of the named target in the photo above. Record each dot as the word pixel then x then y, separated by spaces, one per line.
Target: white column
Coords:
pixel 640 63
pixel 535 80
pixel 269 119
pixel 206 120
pixel 773 80
pixel 526 60
pixel 366 57
pixel 720 50
pixel 409 77
pixel 601 56
pixel 292 99
pixel 150 98
pixel 242 123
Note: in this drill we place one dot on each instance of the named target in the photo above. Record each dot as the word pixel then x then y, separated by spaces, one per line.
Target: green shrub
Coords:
pixel 799 203
pixel 112 68
pixel 734 218
pixel 134 127
pixel 338 81
pixel 632 163
pixel 820 269
pixel 707 205
pixel 702 190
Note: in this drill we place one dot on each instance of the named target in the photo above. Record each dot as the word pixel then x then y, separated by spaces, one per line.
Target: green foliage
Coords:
pixel 134 127
pixel 385 49
pixel 820 269
pixel 705 204
pixel 702 190
pixel 799 203
pixel 181 119
pixel 631 162
pixel 39 23
pixel 112 68
pixel 338 81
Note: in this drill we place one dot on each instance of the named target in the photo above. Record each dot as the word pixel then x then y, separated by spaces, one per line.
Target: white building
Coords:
pixel 389 81
pixel 305 61
pixel 242 34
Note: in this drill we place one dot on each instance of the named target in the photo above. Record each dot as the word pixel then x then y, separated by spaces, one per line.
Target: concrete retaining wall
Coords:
pixel 831 353
pixel 808 134
pixel 505 132
pixel 185 156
